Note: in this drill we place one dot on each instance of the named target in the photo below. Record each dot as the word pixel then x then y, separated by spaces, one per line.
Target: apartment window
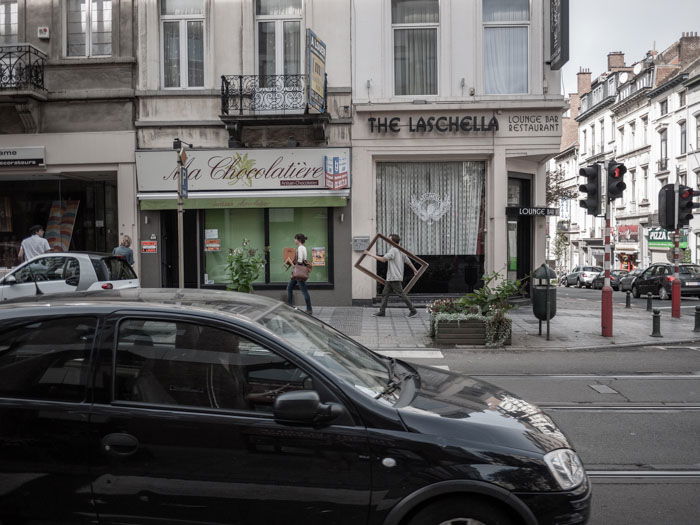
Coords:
pixel 633 135
pixel 88 28
pixel 506 48
pixel 663 148
pixel 584 144
pixel 697 133
pixel 645 184
pixel 663 107
pixel 621 131
pixel 681 99
pixel 593 139
pixel 602 135
pixel 415 27
pixel 182 27
pixel 684 137
pixel 633 186
pixel 683 178
pixel 279 27
pixel 8 22
pixel 645 129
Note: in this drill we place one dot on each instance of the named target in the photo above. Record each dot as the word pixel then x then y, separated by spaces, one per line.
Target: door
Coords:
pixel 645 281
pixel 188 436
pixel 519 228
pixel 45 275
pixel 44 474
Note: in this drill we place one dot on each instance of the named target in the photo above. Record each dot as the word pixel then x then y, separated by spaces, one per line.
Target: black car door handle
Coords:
pixel 120 444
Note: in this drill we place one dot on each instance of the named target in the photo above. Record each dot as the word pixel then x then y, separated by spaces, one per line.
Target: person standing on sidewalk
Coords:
pixel 301 259
pixel 34 245
pixel 124 250
pixel 395 260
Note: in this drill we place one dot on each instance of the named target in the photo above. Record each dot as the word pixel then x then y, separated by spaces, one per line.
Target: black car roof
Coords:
pixel 102 302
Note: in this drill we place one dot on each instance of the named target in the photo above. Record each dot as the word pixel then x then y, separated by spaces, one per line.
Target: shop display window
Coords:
pixel 273 228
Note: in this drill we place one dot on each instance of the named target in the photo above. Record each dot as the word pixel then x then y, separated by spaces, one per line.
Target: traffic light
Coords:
pixel 592 188
pixel 616 180
pixel 686 205
pixel 667 207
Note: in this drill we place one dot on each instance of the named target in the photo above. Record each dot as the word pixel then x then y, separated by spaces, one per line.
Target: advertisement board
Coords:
pixel 316 69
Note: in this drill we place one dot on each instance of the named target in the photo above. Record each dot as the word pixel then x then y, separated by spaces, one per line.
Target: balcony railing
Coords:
pixel 266 95
pixel 662 164
pixel 21 67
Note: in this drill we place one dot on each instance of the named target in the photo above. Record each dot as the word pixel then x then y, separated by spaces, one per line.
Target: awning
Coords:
pixel 245 199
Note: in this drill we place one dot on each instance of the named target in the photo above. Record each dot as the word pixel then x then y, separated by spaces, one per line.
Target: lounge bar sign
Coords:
pixel 530 211
pixel 249 169
pixel 441 124
pixel 20 157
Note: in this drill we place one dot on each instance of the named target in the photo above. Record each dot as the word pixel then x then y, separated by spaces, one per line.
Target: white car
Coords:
pixel 67 272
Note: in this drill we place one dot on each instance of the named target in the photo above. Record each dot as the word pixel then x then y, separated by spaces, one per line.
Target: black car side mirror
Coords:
pixel 304 406
pixel 10 279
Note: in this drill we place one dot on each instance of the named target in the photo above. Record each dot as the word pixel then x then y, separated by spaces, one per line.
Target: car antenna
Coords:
pixel 36 286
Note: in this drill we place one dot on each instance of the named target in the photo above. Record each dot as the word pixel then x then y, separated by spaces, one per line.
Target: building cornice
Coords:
pixel 481 105
pixel 592 111
pixel 678 79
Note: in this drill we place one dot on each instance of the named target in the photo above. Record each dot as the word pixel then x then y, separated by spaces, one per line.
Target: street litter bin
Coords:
pixel 544 295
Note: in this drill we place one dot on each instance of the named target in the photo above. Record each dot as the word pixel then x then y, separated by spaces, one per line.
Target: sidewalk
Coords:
pixel 575 327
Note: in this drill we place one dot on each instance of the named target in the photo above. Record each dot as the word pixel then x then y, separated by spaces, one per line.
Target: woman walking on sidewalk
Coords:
pixel 300 272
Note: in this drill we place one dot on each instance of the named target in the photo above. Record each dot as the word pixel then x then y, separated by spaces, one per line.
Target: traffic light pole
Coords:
pixel 676 283
pixel 606 314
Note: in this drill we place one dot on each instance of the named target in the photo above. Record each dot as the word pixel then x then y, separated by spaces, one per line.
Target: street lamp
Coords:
pixel 181 195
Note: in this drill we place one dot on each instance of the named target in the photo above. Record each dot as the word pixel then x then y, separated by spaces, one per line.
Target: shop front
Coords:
pixel 70 185
pixel 452 185
pixel 253 198
pixel 660 245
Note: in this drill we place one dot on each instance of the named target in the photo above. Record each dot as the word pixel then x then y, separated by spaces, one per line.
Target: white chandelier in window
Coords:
pixel 429 207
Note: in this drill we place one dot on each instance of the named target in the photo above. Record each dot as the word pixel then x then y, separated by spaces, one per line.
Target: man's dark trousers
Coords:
pixel 395 288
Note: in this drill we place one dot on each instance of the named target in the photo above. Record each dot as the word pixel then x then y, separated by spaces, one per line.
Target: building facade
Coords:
pixel 66 123
pixel 445 143
pixel 260 90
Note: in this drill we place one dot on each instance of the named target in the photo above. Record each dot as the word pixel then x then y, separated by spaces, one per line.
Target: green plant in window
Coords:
pixel 243 267
pixel 243 166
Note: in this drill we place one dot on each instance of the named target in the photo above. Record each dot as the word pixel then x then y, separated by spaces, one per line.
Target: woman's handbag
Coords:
pixel 301 272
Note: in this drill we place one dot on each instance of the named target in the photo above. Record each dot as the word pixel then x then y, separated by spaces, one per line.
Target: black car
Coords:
pixel 158 406
pixel 615 276
pixel 628 280
pixel 658 279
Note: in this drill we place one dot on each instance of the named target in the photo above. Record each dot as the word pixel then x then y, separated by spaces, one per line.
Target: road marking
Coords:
pixel 621 408
pixel 643 473
pixel 441 367
pixel 603 389
pixel 691 375
pixel 415 354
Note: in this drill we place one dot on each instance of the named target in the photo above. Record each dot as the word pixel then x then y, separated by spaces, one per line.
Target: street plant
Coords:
pixel 243 267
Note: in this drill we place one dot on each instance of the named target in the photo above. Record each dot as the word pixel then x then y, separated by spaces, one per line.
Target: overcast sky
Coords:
pixel 597 27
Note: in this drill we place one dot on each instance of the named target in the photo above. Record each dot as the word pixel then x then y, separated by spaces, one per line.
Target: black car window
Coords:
pixel 46 359
pixel 118 269
pixel 690 269
pixel 72 268
pixel 192 365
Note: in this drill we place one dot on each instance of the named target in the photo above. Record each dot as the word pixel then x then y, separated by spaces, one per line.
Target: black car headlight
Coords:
pixel 566 467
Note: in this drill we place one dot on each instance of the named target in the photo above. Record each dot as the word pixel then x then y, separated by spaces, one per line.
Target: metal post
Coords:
pixel 606 318
pixel 656 324
pixel 547 300
pixel 676 284
pixel 182 173
pixel 697 319
pixel 649 302
pixel 628 300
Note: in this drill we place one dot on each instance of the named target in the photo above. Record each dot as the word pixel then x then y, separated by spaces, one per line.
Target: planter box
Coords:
pixel 469 332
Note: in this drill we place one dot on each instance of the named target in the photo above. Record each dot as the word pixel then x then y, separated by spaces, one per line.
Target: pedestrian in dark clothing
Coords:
pixel 124 250
pixel 395 260
pixel 301 258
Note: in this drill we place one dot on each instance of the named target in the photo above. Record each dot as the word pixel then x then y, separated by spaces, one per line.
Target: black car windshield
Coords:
pixel 691 269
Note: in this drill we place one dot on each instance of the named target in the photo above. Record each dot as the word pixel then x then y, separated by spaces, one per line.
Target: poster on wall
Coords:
pixel 318 256
pixel 627 233
pixel 212 245
pixel 337 176
pixel 5 214
pixel 59 228
pixel 149 246
pixel 316 67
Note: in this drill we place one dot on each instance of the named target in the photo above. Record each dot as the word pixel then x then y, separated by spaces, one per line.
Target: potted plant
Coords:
pixel 244 265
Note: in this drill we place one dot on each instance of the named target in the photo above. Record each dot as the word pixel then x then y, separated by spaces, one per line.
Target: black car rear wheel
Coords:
pixel 461 511
pixel 663 293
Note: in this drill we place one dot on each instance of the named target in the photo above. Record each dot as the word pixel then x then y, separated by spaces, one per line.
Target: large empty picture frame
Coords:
pixel 422 265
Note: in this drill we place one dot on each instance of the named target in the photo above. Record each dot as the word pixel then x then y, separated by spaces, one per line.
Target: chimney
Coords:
pixel 616 60
pixel 584 81
pixel 574 105
pixel 689 48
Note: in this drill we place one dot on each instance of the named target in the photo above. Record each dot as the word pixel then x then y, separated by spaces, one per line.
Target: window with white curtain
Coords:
pixel 88 28
pixel 506 47
pixel 415 26
pixel 182 27
pixel 683 136
pixel 435 207
pixel 279 41
pixel 8 22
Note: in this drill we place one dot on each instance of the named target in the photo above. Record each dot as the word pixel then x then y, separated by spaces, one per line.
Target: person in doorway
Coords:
pixel 301 258
pixel 124 250
pixel 34 245
pixel 395 260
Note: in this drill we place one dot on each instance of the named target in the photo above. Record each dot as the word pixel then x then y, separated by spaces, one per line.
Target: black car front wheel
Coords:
pixel 663 294
pixel 461 511
pixel 635 291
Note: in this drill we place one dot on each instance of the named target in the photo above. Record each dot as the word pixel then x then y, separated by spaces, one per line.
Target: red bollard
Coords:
pixel 676 298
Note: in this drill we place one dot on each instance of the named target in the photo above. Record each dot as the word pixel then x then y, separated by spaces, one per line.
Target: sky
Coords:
pixel 597 27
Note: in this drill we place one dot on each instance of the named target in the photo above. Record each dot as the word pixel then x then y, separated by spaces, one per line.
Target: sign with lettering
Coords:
pixel 439 124
pixel 20 157
pixel 531 211
pixel 627 233
pixel 558 33
pixel 316 67
pixel 241 170
pixel 660 238
pixel 149 246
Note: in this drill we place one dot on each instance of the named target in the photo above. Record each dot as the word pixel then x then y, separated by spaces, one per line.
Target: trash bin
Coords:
pixel 543 292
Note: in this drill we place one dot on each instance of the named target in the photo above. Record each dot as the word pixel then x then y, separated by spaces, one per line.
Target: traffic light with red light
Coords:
pixel 686 205
pixel 592 188
pixel 667 207
pixel 616 180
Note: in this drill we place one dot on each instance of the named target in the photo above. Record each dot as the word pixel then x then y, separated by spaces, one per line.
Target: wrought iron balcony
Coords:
pixel 662 164
pixel 266 95
pixel 21 67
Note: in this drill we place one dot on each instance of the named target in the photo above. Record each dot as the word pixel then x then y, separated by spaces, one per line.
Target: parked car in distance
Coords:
pixel 658 279
pixel 582 276
pixel 615 276
pixel 219 407
pixel 627 281
pixel 67 272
